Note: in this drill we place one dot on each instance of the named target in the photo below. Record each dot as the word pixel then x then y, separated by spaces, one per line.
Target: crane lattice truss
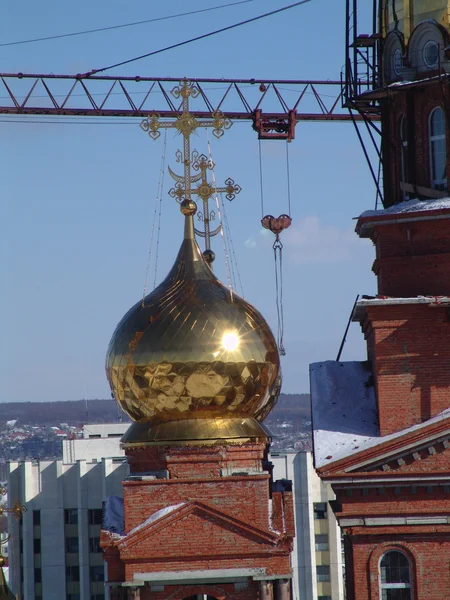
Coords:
pixel 274 107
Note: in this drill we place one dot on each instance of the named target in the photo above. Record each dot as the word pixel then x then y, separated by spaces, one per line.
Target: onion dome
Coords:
pixel 193 361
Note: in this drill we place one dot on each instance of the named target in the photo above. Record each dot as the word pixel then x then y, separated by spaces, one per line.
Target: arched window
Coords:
pixel 438 152
pixel 404 154
pixel 395 576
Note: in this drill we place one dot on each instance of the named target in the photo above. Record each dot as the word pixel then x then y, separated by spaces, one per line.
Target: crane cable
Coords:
pixel 156 224
pixel 276 225
pixel 195 39
pixel 111 27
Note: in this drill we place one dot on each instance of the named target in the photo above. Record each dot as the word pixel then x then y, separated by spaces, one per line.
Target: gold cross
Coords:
pixel 186 124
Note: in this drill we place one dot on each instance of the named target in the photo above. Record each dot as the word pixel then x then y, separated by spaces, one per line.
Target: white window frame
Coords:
pixel 432 140
pixel 394 586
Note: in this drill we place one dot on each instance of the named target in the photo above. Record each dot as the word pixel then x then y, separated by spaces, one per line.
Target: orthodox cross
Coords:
pixel 186 124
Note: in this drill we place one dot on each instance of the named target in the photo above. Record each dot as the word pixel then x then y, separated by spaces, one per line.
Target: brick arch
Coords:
pixel 374 561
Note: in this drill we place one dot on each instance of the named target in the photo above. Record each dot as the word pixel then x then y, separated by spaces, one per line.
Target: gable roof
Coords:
pixel 168 516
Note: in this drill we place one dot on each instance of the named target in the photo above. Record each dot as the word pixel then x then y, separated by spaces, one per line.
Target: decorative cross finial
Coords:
pixel 186 124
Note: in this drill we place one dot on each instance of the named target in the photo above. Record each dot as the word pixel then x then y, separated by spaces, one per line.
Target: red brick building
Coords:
pixel 382 427
pixel 196 368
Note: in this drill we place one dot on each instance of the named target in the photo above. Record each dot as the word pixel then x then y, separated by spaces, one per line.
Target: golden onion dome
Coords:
pixel 193 361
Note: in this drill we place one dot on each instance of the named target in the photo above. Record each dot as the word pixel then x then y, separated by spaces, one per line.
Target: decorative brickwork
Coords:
pixel 212 508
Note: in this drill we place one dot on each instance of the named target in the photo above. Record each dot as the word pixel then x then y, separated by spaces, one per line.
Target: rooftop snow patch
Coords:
pixel 410 206
pixel 344 414
pixel 162 512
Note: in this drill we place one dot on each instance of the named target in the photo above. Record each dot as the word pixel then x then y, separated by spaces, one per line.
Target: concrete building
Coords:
pixel 54 551
pixel 317 556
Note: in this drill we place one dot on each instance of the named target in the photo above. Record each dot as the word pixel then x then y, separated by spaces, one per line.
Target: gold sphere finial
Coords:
pixel 188 207
pixel 209 256
pixel 2 561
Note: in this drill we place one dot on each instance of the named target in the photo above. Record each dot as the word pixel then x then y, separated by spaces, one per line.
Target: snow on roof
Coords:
pixel 343 409
pixel 162 512
pixel 409 206
pixel 344 412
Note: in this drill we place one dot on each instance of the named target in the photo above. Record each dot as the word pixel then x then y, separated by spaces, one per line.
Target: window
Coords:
pixel 73 597
pixel 320 510
pixel 73 573
pixel 95 516
pixel 397 62
pixel 97 573
pixel 71 516
pixel 72 544
pixel 323 573
pixel 395 576
pixel 321 542
pixel 438 152
pixel 430 54
pixel 36 517
pixel 94 544
pixel 37 545
pixel 323 597
pixel 37 576
pixel 98 597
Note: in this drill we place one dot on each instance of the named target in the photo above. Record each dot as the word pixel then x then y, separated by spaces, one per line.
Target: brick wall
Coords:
pixel 410 354
pixel 417 105
pixel 244 497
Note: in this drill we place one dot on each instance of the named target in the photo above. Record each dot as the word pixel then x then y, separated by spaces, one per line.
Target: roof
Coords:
pixel 344 412
pixel 409 206
pixel 410 210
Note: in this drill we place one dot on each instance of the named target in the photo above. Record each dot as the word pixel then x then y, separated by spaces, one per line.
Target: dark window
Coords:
pixel 97 573
pixel 321 541
pixel 71 516
pixel 323 573
pixel 37 545
pixel 36 517
pixel 95 516
pixel 395 576
pixel 73 573
pixel 94 544
pixel 438 152
pixel 72 544
pixel 323 597
pixel 37 575
pixel 320 510
pixel 73 597
pixel 98 597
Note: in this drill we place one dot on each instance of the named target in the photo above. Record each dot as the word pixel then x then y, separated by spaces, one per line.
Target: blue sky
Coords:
pixel 78 200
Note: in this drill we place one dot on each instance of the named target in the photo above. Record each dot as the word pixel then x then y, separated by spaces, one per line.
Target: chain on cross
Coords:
pixel 186 124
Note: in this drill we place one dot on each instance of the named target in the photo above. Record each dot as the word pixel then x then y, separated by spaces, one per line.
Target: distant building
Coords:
pixel 316 560
pixel 54 552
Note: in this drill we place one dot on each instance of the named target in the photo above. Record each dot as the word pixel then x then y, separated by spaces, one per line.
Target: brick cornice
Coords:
pixel 388 450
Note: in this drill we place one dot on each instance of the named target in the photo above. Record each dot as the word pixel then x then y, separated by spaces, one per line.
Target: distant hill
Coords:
pixel 293 408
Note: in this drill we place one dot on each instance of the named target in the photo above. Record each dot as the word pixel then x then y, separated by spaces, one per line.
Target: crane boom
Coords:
pixel 273 106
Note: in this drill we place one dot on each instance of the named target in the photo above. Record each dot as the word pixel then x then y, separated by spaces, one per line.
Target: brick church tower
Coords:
pixel 382 426
pixel 197 369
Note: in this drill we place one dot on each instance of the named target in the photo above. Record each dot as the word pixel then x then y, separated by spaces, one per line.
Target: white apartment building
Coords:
pixel 54 550
pixel 317 557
